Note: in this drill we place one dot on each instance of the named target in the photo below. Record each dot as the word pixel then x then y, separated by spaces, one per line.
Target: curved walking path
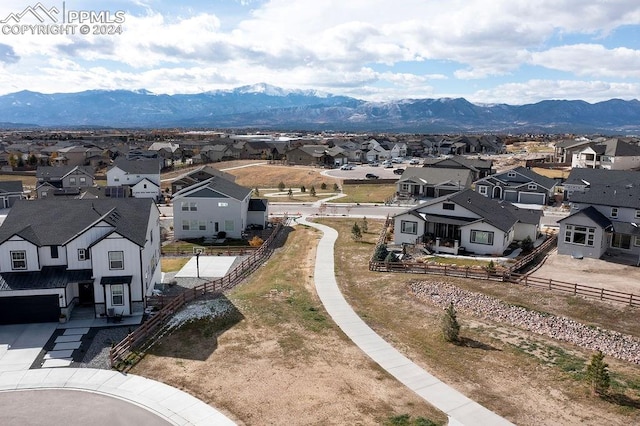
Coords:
pixel 460 409
pixel 172 405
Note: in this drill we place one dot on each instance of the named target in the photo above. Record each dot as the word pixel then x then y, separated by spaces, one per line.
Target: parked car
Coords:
pixel 398 171
pixel 374 164
pixel 387 165
pixel 348 167
pixel 372 176
pixel 414 161
pixel 397 160
pixel 255 227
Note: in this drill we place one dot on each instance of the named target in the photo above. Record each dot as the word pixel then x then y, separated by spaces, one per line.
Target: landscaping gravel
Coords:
pixel 618 345
pixel 97 355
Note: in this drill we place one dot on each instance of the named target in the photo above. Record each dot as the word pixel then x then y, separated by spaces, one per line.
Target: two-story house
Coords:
pixel 478 166
pixel 10 192
pixel 604 219
pixel 208 208
pixel 518 185
pixel 53 178
pixel 581 180
pixel 432 182
pixel 612 154
pixel 142 177
pixel 56 254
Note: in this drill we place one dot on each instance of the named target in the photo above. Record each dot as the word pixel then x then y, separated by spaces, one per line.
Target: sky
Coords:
pixel 487 51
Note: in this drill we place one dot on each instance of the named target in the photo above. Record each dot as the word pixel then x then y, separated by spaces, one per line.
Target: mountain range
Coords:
pixel 267 107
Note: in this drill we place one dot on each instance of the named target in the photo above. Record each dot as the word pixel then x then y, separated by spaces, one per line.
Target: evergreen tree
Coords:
pixel 323 186
pixel 356 234
pixel 450 326
pixel 256 191
pixel 281 186
pixel 290 193
pixel 381 253
pixel 598 374
pixel 336 188
pixel 526 244
pixel 391 257
pixel 303 189
pixel 313 191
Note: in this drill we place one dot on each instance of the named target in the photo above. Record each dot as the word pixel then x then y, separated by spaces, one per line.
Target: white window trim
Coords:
pixel 408 227
pixel 475 240
pixel 589 239
pixel 117 290
pixel 532 186
pixel 18 256
pixel 112 259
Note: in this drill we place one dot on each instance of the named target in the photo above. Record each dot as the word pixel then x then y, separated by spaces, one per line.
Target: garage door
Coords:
pixel 531 198
pixel 27 309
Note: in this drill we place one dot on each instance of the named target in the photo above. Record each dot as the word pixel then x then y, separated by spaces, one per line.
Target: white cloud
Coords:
pixel 332 45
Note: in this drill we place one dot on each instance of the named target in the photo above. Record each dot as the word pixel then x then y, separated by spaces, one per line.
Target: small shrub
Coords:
pixel 356 234
pixel 336 188
pixel 381 253
pixel 290 193
pixel 281 186
pixel 323 186
pixel 256 241
pixel 526 245
pixel 365 225
pixel 313 191
pixel 303 189
pixel 598 374
pixel 391 257
pixel 450 325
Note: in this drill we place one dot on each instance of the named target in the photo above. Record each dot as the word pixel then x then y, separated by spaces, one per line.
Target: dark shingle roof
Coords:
pixel 139 167
pixel 603 177
pixel 11 186
pixel 217 184
pixel 593 214
pixel 54 221
pixel 523 175
pixel 257 205
pixel 610 195
pixel 530 216
pixel 58 172
pixel 436 175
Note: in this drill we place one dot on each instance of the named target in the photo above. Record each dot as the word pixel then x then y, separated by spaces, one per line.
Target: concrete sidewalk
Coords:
pixel 460 409
pixel 168 403
pixel 20 344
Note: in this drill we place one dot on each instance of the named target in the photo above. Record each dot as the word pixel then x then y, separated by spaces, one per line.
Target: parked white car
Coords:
pixel 414 161
pixel 397 160
pixel 348 167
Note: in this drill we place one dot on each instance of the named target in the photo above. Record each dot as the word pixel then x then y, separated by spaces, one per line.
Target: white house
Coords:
pixel 56 254
pixel 130 173
pixel 612 154
pixel 465 222
pixel 207 208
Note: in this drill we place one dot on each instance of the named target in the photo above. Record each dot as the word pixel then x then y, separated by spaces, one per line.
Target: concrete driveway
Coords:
pixel 20 344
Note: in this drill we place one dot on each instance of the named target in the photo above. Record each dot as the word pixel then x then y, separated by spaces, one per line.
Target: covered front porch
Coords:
pixel 443 233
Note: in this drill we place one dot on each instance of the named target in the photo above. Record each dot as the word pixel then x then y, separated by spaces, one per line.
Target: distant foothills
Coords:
pixel 268 107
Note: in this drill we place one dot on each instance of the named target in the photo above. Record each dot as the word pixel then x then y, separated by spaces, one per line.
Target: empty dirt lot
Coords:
pixel 601 273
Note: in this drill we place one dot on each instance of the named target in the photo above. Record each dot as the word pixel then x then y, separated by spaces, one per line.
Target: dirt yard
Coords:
pixel 592 272
pixel 281 360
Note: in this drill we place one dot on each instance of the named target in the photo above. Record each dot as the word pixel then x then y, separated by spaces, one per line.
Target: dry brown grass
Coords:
pixel 269 176
pixel 552 173
pixel 286 363
pixel 172 264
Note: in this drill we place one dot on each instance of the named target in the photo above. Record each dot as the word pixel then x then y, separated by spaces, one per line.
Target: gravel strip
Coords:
pixel 618 345
pixel 97 355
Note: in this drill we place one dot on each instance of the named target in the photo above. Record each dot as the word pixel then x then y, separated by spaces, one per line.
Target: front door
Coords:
pixel 85 294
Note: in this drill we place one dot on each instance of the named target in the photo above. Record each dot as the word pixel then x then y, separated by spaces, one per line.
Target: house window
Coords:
pixel 202 225
pixel 117 295
pixel 72 181
pixel 54 252
pixel 482 190
pixel 482 237
pixel 614 212
pixel 229 225
pixel 83 254
pixel 222 204
pixel 580 235
pixel 116 260
pixel 448 206
pixel 185 225
pixel 144 186
pixel 621 241
pixel 408 227
pixel 532 186
pixel 19 259
pixel 189 206
pixel 83 180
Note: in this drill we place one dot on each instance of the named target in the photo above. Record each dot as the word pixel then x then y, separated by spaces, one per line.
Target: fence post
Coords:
pixel 575 289
pixel 550 283
pixel 601 293
pixel 631 299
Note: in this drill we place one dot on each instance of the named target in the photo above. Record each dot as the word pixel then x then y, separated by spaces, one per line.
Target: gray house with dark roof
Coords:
pixel 580 180
pixel 142 177
pixel 518 185
pixel 207 208
pixel 604 219
pixel 52 178
pixel 10 192
pixel 56 254
pixel 464 221
pixel 612 154
pixel 432 182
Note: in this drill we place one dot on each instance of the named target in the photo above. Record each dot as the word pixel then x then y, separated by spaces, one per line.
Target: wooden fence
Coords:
pixel 121 355
pixel 504 274
pixel 577 289
pixel 208 251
